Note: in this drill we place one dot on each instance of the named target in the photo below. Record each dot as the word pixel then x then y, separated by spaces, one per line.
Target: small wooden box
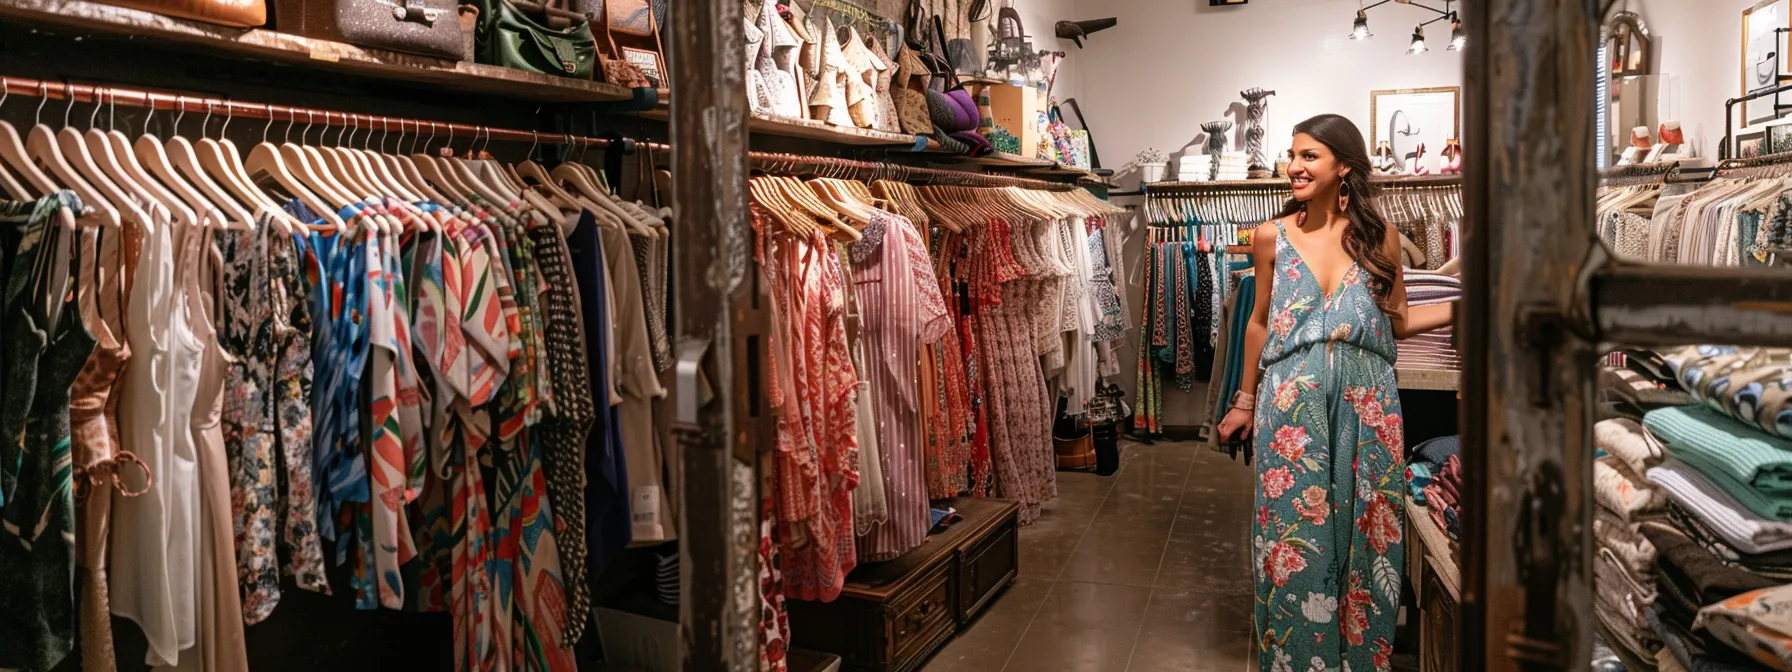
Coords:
pixel 892 616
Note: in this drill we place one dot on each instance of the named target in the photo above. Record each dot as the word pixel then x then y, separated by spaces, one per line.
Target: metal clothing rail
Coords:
pixel 771 162
pixel 1731 143
pixel 1281 184
pixel 310 116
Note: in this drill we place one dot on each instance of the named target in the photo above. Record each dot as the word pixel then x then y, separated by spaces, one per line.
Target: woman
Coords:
pixel 1319 352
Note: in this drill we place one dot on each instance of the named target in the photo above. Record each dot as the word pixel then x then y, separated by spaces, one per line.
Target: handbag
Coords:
pixel 245 14
pixel 510 38
pixel 427 27
pixel 632 34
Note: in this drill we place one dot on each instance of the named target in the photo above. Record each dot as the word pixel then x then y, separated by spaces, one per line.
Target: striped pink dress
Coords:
pixel 900 301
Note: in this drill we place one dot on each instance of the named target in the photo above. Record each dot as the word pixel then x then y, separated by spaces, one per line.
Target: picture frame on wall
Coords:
pixel 1765 62
pixel 1225 3
pixel 1751 145
pixel 1779 139
pixel 1407 118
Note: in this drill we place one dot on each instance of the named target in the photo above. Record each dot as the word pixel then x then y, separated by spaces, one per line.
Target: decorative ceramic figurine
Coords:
pixel 1451 164
pixel 1418 162
pixel 1253 130
pixel 1216 143
pixel 1383 161
pixel 1669 141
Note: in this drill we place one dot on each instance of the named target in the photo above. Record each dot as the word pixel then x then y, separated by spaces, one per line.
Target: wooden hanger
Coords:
pixel 90 161
pixel 219 160
pixel 14 155
pixel 772 199
pixel 266 159
pixel 41 146
pixel 186 161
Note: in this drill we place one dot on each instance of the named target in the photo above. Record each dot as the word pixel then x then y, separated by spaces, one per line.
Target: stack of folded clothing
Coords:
pixel 1748 464
pixel 1434 349
pixel 1636 388
pixel 1757 623
pixel 1234 166
pixel 1624 561
pixel 1194 168
pixel 1434 478
pixel 1692 577
pixel 1753 385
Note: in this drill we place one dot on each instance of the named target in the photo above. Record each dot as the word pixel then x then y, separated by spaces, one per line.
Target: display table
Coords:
pixel 1431 567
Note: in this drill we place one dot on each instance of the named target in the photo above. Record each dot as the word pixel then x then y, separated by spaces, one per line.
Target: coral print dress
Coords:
pixel 1329 441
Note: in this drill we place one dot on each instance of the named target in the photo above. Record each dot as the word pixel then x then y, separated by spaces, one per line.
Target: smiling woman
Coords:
pixel 1320 348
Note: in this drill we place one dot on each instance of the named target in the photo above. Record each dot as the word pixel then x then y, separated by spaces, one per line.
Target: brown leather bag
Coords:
pixel 245 14
pixel 633 36
pixel 427 27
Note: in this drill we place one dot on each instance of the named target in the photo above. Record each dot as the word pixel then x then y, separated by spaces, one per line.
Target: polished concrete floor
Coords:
pixel 1147 570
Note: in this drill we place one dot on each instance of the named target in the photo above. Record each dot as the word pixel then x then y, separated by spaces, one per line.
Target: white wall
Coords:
pixel 1172 64
pixel 1699 42
pixel 1039 18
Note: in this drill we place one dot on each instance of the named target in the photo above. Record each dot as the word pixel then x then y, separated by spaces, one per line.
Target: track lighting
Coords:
pixel 1418 41
pixel 1360 31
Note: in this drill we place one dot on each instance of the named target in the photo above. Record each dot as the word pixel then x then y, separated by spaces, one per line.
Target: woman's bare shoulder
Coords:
pixel 1263 239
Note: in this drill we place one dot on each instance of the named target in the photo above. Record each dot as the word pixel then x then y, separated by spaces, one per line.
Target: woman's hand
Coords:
pixel 1237 422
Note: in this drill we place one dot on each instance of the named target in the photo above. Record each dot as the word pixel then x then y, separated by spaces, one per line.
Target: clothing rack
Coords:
pixel 479 136
pixel 1731 143
pixel 1640 173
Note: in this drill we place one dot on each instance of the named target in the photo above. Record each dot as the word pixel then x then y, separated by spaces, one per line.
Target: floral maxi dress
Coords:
pixel 1329 440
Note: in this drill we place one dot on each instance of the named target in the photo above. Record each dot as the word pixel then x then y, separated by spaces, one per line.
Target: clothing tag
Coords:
pixel 644 505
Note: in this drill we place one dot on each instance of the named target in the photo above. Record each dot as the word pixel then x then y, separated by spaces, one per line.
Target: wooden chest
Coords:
pixel 892 616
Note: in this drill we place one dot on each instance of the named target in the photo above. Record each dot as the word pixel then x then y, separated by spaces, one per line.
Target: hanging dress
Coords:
pixel 94 444
pixel 219 628
pixel 152 537
pixel 1330 474
pixel 45 348
pixel 902 309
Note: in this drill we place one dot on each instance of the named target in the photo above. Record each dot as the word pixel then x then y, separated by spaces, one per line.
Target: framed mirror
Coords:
pixel 1630 93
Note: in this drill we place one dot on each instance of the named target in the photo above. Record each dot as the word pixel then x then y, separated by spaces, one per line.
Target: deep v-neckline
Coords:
pixel 1325 297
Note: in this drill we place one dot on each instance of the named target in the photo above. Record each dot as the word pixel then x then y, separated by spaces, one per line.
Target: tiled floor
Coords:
pixel 1147 570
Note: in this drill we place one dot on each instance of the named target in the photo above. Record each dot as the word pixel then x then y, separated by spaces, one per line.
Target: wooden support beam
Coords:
pixel 718 512
pixel 1527 384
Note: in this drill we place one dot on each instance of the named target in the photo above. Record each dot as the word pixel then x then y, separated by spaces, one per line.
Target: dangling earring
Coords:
pixel 1343 196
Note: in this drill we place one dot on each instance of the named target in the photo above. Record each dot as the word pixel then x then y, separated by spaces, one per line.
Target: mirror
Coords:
pixel 1630 93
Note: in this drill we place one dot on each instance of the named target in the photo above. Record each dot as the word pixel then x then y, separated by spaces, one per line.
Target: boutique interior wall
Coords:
pixel 1698 43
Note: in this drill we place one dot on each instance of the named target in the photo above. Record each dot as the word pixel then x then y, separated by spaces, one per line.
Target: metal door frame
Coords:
pixel 1541 297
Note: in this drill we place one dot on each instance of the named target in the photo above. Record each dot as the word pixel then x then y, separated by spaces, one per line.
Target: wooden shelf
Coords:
pixel 1006 160
pixel 808 129
pixel 1427 379
pixel 81 16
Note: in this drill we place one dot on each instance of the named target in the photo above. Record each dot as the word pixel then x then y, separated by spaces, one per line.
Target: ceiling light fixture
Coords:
pixel 1360 31
pixel 1418 41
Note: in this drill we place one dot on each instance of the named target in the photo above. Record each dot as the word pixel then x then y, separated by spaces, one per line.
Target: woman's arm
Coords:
pixel 1256 332
pixel 1408 320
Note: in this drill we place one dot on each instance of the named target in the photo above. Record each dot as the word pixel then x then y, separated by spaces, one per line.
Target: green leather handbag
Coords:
pixel 510 38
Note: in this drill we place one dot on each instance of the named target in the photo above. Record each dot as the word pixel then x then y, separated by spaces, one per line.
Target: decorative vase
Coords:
pixel 1253 130
pixel 1151 172
pixel 1216 144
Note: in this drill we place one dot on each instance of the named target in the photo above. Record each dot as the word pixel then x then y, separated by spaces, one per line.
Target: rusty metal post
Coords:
pixel 718 518
pixel 1529 185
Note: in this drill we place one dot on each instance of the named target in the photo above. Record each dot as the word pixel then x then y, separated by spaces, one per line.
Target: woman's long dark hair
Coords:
pixel 1367 233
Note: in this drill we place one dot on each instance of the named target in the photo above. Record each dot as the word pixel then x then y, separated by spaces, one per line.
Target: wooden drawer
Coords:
pixel 1437 626
pixel 894 635
pixel 986 564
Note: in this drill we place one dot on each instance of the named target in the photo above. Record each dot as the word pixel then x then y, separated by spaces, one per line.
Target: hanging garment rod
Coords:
pixel 772 162
pixel 1281 184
